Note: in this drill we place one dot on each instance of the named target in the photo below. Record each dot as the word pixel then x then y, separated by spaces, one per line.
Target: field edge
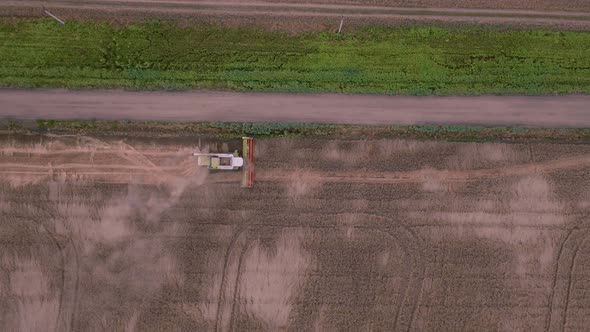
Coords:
pixel 231 130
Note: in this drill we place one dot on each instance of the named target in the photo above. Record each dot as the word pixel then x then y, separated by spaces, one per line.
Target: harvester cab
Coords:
pixel 229 161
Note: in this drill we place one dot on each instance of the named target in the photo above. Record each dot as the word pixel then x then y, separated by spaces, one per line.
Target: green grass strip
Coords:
pixel 294 130
pixel 407 60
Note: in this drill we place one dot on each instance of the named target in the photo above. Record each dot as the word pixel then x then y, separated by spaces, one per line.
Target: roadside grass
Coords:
pixel 293 130
pixel 406 60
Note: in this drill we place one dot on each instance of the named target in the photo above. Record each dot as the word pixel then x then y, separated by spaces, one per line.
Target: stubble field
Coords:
pixel 125 234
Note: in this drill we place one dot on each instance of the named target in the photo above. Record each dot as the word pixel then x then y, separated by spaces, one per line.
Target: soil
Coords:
pixel 128 234
pixel 306 15
pixel 526 111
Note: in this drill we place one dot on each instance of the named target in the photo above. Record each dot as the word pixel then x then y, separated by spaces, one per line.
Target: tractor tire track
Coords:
pixel 421 277
pixel 76 277
pixel 407 282
pixel 369 287
pixel 571 279
pixel 61 251
pixel 234 314
pixel 224 276
pixel 76 296
pixel 236 293
pixel 563 258
pixel 415 277
pixel 130 154
pixel 559 258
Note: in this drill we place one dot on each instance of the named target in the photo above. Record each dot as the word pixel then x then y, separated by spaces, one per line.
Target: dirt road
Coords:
pixel 128 234
pixel 538 13
pixel 529 111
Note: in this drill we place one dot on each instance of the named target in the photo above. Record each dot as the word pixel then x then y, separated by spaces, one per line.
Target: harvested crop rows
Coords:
pixel 124 233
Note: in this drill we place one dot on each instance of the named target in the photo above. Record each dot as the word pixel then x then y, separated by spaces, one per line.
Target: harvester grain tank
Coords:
pixel 220 161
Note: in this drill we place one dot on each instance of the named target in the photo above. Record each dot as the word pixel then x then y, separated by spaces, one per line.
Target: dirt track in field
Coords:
pixel 541 13
pixel 161 174
pixel 127 234
pixel 531 111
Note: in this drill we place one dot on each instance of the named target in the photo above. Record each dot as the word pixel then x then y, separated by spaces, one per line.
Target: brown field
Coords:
pixel 124 235
pixel 306 15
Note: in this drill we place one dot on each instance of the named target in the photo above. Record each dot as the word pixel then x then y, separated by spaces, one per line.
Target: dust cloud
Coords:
pixel 115 248
pixel 302 183
pixel 477 155
pixel 36 306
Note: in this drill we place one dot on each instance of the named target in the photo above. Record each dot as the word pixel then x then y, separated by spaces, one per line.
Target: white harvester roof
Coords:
pixel 237 162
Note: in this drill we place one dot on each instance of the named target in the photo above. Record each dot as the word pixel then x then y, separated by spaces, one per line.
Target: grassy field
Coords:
pixel 410 60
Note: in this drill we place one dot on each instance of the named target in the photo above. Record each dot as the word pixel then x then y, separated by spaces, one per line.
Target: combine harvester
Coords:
pixel 232 161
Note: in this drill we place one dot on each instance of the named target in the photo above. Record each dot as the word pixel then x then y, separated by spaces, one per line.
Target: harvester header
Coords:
pixel 248 167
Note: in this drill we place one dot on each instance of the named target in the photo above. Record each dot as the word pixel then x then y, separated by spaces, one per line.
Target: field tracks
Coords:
pixel 566 258
pixel 412 246
pixel 227 317
pixel 75 277
pixel 236 292
pixel 554 281
pixel 62 286
pixel 68 265
pixel 571 279
pixel 61 322
pixel 240 240
pixel 76 295
pixel 135 157
pixel 419 279
pixel 221 297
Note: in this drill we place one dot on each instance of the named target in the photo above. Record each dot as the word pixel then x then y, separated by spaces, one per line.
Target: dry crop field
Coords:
pixel 125 234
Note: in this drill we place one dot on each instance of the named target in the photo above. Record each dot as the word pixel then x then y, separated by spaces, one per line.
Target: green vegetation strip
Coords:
pixel 408 60
pixel 270 130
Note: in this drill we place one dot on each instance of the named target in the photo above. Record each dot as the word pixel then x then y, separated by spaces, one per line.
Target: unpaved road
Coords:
pixel 527 111
pixel 506 248
pixel 513 13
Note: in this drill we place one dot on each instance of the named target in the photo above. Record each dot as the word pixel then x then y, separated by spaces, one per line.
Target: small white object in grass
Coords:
pixel 341 23
pixel 54 17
